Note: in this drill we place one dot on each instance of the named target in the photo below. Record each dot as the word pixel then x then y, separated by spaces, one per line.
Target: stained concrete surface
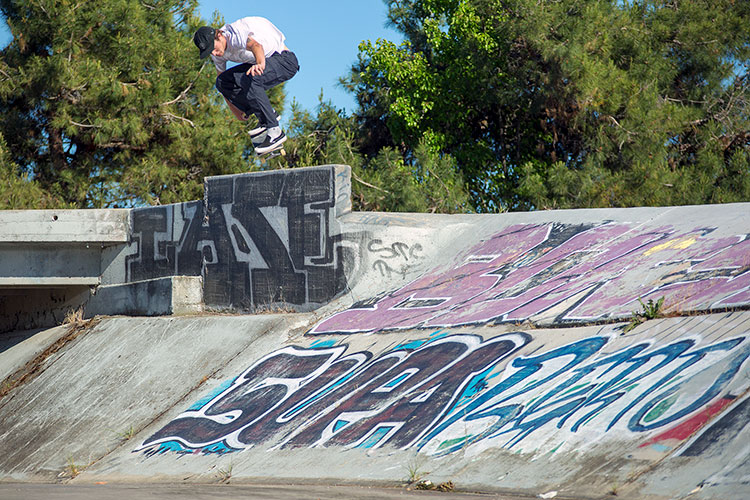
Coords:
pixel 426 363
pixel 99 401
pixel 30 491
pixel 19 347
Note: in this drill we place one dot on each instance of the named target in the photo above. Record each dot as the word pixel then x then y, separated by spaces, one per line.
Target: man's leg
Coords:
pixel 229 85
pixel 248 95
pixel 259 104
pixel 237 112
pixel 280 67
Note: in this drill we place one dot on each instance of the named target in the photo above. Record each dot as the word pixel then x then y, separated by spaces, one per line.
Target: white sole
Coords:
pixel 276 146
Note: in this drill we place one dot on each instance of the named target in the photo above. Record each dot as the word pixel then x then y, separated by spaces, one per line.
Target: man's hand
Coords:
pixel 257 69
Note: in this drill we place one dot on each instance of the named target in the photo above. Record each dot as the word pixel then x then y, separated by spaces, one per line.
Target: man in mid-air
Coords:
pixel 264 62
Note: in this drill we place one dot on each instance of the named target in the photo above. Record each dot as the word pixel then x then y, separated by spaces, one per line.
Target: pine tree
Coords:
pixel 567 103
pixel 107 104
pixel 652 107
pixel 17 191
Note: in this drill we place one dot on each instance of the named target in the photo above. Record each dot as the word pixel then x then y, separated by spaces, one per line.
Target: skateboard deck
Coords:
pixel 264 157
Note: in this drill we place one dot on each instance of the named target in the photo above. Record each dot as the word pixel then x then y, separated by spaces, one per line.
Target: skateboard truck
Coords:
pixel 264 157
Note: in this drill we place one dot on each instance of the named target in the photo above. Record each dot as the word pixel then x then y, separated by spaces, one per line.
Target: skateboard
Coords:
pixel 264 157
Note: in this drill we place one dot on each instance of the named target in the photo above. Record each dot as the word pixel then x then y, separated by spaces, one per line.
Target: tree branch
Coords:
pixel 179 118
pixel 122 145
pixel 368 184
pixel 184 92
pixel 83 125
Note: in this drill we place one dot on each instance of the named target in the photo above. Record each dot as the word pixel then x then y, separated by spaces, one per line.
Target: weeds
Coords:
pixel 446 486
pixel 614 489
pixel 414 470
pixel 72 469
pixel 649 310
pixel 442 487
pixel 74 318
pixel 225 475
pixel 127 434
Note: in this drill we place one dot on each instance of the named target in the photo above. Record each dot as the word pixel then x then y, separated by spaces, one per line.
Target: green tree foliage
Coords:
pixel 487 105
pixel 18 192
pixel 567 103
pixel 107 104
pixel 384 181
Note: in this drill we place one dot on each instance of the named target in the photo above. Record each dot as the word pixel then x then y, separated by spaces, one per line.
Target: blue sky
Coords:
pixel 324 34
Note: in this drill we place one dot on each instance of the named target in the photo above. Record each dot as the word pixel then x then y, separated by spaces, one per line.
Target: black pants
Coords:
pixel 248 93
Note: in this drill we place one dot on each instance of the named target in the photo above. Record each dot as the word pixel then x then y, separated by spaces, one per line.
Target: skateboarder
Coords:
pixel 265 61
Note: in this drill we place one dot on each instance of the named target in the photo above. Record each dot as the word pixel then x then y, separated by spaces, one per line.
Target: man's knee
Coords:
pixel 223 84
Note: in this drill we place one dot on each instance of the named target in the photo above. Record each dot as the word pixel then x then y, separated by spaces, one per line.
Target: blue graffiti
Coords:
pixel 419 394
pixel 176 447
pixel 621 372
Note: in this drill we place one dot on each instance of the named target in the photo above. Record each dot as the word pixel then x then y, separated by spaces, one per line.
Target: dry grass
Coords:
pixel 442 487
pixel 76 326
pixel 74 317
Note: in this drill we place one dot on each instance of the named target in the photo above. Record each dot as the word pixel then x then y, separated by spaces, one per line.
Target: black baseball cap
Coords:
pixel 204 40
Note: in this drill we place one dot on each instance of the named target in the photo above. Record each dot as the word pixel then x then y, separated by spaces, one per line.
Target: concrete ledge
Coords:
pixel 157 297
pixel 105 226
pixel 26 282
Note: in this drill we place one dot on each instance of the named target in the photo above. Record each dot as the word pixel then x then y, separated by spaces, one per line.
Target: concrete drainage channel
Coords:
pixel 28 491
pixel 571 354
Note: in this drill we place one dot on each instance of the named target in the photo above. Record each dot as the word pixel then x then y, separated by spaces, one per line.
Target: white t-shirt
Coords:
pixel 236 33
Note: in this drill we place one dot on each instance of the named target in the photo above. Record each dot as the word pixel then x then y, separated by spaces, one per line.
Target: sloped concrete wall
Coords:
pixel 444 392
pixel 563 268
pixel 494 351
pixel 441 351
pixel 659 410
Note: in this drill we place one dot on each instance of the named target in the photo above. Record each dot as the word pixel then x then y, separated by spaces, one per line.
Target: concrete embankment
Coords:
pixel 588 352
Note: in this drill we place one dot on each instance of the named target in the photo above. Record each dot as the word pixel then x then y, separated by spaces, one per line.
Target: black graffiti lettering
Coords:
pixel 305 401
pixel 385 269
pixel 370 374
pixel 383 397
pixel 415 394
pixel 426 394
pixel 421 409
pixel 254 393
pixel 160 250
pixel 258 239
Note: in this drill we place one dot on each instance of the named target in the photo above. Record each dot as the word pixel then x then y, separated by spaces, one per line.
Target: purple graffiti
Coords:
pixel 563 273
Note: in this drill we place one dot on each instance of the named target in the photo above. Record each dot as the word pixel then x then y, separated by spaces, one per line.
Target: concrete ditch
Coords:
pixel 513 352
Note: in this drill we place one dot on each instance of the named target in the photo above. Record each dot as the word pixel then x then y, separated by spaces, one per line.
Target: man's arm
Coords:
pixel 260 57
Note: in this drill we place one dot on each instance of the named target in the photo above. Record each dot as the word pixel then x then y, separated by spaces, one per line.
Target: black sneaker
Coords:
pixel 269 144
pixel 258 134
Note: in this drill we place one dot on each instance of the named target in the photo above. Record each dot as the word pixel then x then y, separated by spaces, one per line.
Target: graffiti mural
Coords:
pixel 166 239
pixel 727 435
pixel 558 273
pixel 449 392
pixel 396 258
pixel 257 239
